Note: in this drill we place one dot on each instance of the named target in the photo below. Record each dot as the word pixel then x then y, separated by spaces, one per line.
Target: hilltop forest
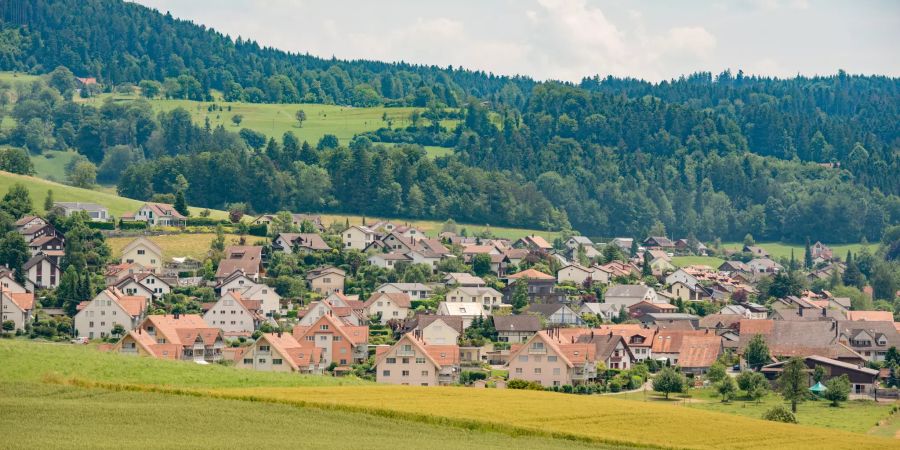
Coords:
pixel 703 155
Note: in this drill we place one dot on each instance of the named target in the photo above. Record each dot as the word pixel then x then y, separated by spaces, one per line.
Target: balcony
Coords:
pixel 406 353
pixel 537 351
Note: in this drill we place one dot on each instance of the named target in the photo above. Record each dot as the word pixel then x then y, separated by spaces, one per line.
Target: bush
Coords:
pixel 469 376
pixel 615 386
pixel 780 414
pixel 204 222
pixel 132 225
pixel 260 230
pixel 101 225
pixel 524 384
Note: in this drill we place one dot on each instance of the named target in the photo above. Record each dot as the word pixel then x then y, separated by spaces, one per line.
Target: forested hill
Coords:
pixel 703 155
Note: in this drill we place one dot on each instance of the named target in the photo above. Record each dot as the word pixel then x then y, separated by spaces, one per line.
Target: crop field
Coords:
pixel 489 416
pixel 858 416
pixel 48 416
pixel 274 120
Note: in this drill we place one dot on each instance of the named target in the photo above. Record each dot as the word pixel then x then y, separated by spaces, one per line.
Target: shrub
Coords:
pixel 615 386
pixel 132 225
pixel 260 230
pixel 204 222
pixel 469 376
pixel 101 225
pixel 780 414
pixel 524 384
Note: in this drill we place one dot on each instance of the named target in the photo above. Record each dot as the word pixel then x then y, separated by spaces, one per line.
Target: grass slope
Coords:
pixel 598 419
pixel 83 418
pixel 194 245
pixel 781 250
pixel 682 261
pixel 52 165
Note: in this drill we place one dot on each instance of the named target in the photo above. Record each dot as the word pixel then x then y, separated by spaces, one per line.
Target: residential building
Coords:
pixel 821 251
pixel 145 252
pixel 516 329
pixel 337 342
pixel 97 317
pixel 17 307
pixel 270 301
pixel 389 260
pixel 29 222
pixel 659 243
pixel 764 265
pixel 235 315
pixel 50 245
pixel 624 244
pixel 463 279
pixel 870 316
pixel 237 281
pixel 551 360
pixel 146 284
pixel 629 294
pixel 533 243
pixel 281 352
pixel 358 237
pixel 644 307
pixel 788 338
pixel 699 352
pixel 97 213
pixel 412 361
pixel 388 306
pixel 8 282
pixel 436 329
pixel 579 275
pixel 671 320
pixel 41 272
pixel 541 287
pixel 179 337
pixel 489 298
pixel 466 311
pixel 574 242
pixel 415 291
pixel 870 339
pixel 555 314
pixel 157 215
pixel 604 311
pixel 610 349
pixel 863 380
pixel 245 258
pixel 326 280
pixel 301 243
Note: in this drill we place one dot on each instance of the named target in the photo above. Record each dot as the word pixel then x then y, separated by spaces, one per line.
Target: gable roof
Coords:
pixel 545 309
pixel 461 309
pixel 876 316
pixel 463 279
pixel 439 355
pixel 521 322
pixel 531 274
pixel 627 290
pixel 796 337
pixel 145 242
pixel 305 240
pixel 455 322
pixel 699 350
pixel 400 299
pixel 356 335
pixel 240 257
pixel 163 209
pixel 23 300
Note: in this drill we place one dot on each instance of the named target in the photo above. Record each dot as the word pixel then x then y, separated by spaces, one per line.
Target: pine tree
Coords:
pixel 67 293
pixel 807 256
pixel 181 204
pixel 48 200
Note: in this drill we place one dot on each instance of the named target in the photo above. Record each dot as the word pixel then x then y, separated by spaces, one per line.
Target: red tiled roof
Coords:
pixel 531 274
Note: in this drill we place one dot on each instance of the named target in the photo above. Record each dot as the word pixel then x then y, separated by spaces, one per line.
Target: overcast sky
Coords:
pixel 569 39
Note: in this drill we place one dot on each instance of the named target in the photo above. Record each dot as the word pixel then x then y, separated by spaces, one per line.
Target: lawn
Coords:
pixel 274 120
pixel 782 250
pixel 711 261
pixel 858 416
pixel 173 245
pixel 48 416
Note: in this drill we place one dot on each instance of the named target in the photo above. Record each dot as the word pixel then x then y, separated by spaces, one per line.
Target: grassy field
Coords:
pixel 433 227
pixel 84 418
pixel 531 416
pixel 682 261
pixel 858 416
pixel 781 250
pixel 274 120
pixel 52 165
pixel 194 245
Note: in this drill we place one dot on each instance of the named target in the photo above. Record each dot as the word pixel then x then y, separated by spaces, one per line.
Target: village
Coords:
pixel 387 302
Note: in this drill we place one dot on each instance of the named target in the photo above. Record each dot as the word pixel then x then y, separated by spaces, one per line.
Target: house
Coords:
pixel 541 287
pixel 610 349
pixel 357 237
pixel 671 320
pixel 668 344
pixel 237 281
pixel 788 338
pixel 733 266
pixel 270 301
pixel 315 310
pixel 388 306
pixel 97 213
pixel 574 242
pixel 17 307
pixel 629 294
pixel 50 245
pixel 487 297
pixel 463 279
pixel 235 315
pixel 29 222
pixel 420 255
pixel 296 220
pixel 337 342
pixel 658 243
pixel 687 292
pixel 157 215
pixel 624 244
pixel 179 337
pixel 33 232
pixel 245 258
pixel 533 243
pixel 721 322
pixel 660 266
pixel 415 291
pixel 144 284
pixel 821 251
pixel 870 316
pixel 412 361
pixel 699 352
pixel 516 329
pixel 145 252
pixel 863 380
pixel 8 282
pixel 682 276
pixel 555 314
pixel 41 272
pixel 764 265
pixel 97 318
pixel 870 339
pixel 281 352
pixel 604 311
pixel 578 274
pixel 389 260
pixel 437 330
pixel 746 310
pixel 755 251
pixel 326 280
pixel 301 243
pixel 683 246
pixel 619 269
pixel 641 308
pixel 466 311
pixel 551 360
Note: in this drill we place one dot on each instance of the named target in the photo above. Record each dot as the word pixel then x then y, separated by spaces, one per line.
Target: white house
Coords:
pixel 157 214
pixel 143 251
pixel 97 317
pixel 234 315
pixel 605 311
pixel 41 272
pixel 17 307
pixel 237 281
pixel 415 291
pixel 145 284
pixel 388 306
pixel 270 301
pixel 629 294
pixel 466 311
pixel 388 260
pixel 357 237
pixel 97 213
pixel 576 273
pixel 681 276
pixel 488 298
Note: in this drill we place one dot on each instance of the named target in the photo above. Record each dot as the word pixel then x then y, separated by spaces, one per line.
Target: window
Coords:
pixel 262 360
pixel 424 373
pixel 420 360
pixel 276 362
pixel 323 327
pixel 404 373
pixel 263 348
pixel 385 373
pixel 551 358
pixel 523 358
pixel 519 370
pixel 336 339
pixel 141 252
pixel 392 360
pixel 405 361
pixel 537 370
pixel 248 361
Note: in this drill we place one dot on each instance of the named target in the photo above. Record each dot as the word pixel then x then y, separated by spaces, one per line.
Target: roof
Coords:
pixel 393 256
pixel 537 241
pixel 604 344
pixel 399 298
pixel 79 206
pixel 796 337
pixel 25 219
pixel 531 274
pixel 671 341
pixel 183 330
pixel 454 322
pixel 305 240
pixel 571 353
pixel 356 335
pixel 322 271
pixel 544 309
pixel 142 241
pixel 877 316
pixel 583 240
pixel 36 259
pixel 699 350
pixel 405 286
pixel 627 290
pixel 721 321
pixel 24 300
pixel 463 278
pixel 522 322
pixel 461 309
pixel 439 355
pixel 662 241
pixel 478 291
pixel 240 257
pixel 163 209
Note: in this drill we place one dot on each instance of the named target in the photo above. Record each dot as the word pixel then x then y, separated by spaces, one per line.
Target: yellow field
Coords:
pixel 592 418
pixel 174 245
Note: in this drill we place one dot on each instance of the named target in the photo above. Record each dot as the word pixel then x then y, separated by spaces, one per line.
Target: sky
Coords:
pixel 570 39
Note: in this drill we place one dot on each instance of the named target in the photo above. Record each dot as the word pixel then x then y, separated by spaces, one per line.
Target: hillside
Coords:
pixel 531 417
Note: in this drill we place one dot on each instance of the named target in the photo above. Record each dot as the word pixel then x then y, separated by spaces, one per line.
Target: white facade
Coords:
pixel 357 237
pixel 231 316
